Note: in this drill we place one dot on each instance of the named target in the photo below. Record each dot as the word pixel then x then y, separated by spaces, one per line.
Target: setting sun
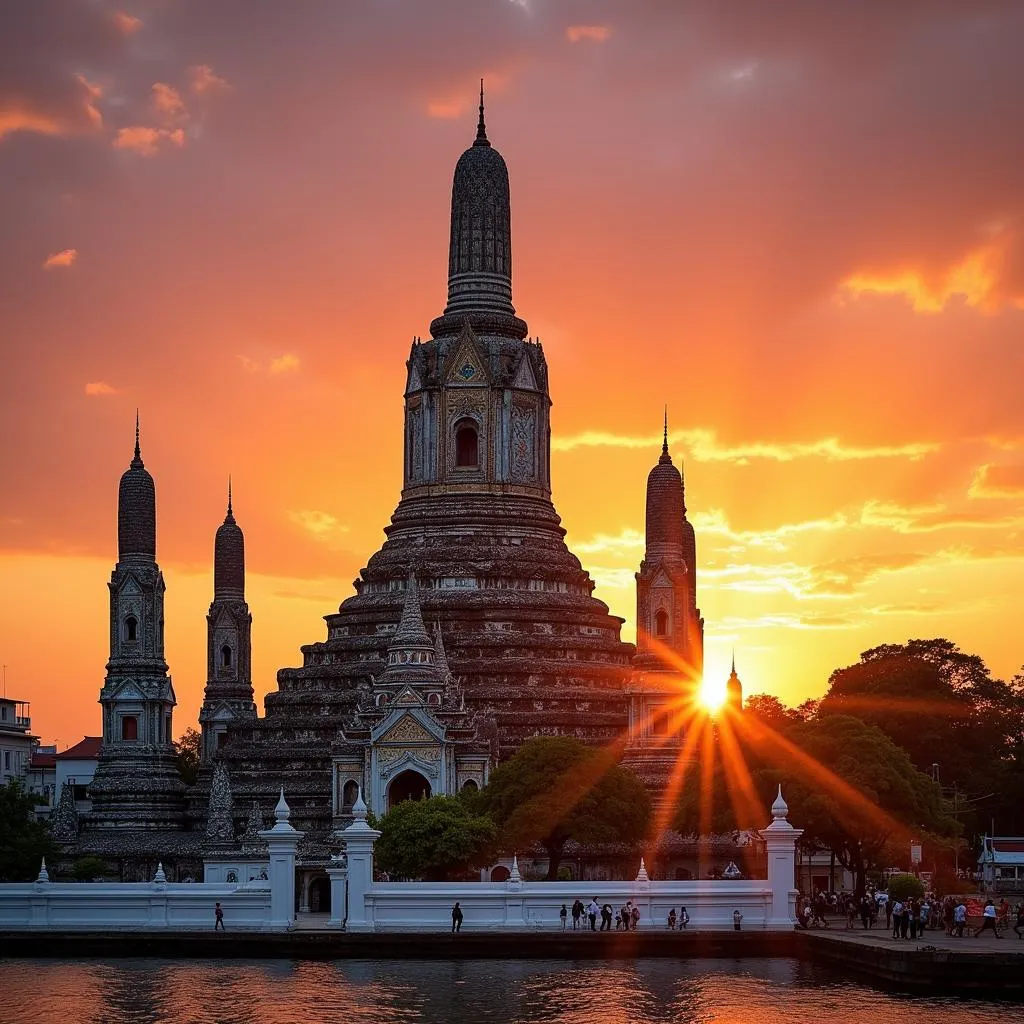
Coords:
pixel 712 694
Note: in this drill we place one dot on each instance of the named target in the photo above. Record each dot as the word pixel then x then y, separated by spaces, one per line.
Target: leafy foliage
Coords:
pixel 905 887
pixel 555 789
pixel 23 840
pixel 187 748
pixel 86 869
pixel 439 839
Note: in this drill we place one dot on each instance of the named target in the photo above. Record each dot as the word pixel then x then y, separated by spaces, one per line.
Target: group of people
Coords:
pixel 909 918
pixel 627 918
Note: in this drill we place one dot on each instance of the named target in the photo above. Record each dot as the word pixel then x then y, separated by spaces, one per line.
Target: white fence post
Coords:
pixel 282 842
pixel 780 839
pixel 359 841
pixel 338 874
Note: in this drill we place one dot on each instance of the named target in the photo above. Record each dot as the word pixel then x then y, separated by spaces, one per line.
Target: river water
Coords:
pixel 778 991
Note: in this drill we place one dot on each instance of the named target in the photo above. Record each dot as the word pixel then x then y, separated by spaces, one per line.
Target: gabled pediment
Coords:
pixel 130 586
pixel 408 725
pixel 409 697
pixel 525 377
pixel 128 690
pixel 466 365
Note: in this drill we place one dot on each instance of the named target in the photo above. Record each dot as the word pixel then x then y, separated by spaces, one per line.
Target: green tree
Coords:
pixel 905 887
pixel 23 840
pixel 554 789
pixel 439 839
pixel 86 869
pixel 187 748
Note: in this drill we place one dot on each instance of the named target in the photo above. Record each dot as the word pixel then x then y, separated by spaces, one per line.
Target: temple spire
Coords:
pixel 481 129
pixel 231 515
pixel 138 450
pixel 665 457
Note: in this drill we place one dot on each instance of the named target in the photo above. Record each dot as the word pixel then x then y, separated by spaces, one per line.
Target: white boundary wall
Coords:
pixel 132 906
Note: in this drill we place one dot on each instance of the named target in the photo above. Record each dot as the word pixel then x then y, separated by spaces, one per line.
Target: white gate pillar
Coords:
pixel 359 841
pixel 338 874
pixel 780 839
pixel 282 841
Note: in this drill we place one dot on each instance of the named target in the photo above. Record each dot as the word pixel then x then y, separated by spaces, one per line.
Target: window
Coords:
pixel 222 738
pixel 469 786
pixel 661 622
pixel 350 793
pixel 467 448
pixel 131 629
pixel 225 656
pixel 232 877
pixel 7 760
pixel 129 728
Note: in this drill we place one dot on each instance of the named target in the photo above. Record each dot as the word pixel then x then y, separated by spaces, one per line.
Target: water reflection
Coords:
pixel 461 992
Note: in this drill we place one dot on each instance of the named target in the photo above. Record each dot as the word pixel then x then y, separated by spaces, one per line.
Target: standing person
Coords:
pixel 947 915
pixel 577 911
pixel 1020 920
pixel 851 914
pixel 1004 913
pixel 926 914
pixel 672 919
pixel 905 919
pixel 606 917
pixel 988 920
pixel 684 918
pixel 897 914
pixel 635 916
pixel 456 917
pixel 865 910
pixel 737 919
pixel 960 918
pixel 563 914
pixel 218 917
pixel 592 911
pixel 915 918
pixel 888 910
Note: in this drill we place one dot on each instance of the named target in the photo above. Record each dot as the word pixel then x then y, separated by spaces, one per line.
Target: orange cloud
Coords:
pixel 322 526
pixel 18 115
pixel 202 79
pixel 447 109
pixel 168 100
pixel 284 364
pixel 127 23
pixel 64 258
pixel 587 33
pixel 995 481
pixel 20 119
pixel 977 280
pixel 100 387
pixel 146 141
pixel 703 446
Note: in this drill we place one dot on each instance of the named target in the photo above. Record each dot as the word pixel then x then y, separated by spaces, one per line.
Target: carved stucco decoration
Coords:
pixel 524 433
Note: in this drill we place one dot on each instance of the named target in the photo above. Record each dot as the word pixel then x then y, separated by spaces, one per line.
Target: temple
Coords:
pixel 471 629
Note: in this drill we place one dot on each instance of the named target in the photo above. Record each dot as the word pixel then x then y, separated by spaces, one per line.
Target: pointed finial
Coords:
pixel 282 812
pixel 137 461
pixel 664 439
pixel 779 808
pixel 481 130
pixel 160 876
pixel 359 811
pixel 231 514
pixel 44 875
pixel 734 661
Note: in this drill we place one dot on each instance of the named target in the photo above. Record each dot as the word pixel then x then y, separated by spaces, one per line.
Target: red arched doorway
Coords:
pixel 408 785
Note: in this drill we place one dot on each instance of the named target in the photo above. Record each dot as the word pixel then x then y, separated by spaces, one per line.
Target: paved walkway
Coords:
pixel 881 938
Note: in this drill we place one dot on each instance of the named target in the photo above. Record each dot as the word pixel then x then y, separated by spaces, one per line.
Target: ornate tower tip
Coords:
pixel 138 449
pixel 359 807
pixel 230 510
pixel 481 128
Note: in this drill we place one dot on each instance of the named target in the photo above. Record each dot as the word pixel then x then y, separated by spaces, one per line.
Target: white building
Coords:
pixel 41 779
pixel 16 740
pixel 1002 864
pixel 76 766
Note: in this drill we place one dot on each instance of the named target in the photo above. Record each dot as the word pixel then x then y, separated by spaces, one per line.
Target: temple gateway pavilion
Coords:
pixel 472 628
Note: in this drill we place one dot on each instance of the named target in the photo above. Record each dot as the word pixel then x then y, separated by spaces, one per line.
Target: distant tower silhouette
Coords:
pixel 734 688
pixel 228 693
pixel 670 630
pixel 136 782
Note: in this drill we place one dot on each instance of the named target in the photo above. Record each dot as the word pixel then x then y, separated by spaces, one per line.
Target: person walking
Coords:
pixel 672 920
pixel 592 911
pixel 456 917
pixel 684 918
pixel 960 918
pixel 915 918
pixel 606 917
pixel 897 915
pixel 563 914
pixel 577 912
pixel 1020 921
pixel 737 920
pixel 218 917
pixel 635 917
pixel 988 920
pixel 905 919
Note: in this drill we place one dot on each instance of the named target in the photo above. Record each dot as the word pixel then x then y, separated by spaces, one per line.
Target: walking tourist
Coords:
pixel 577 913
pixel 684 918
pixel 851 914
pixel 563 914
pixel 915 918
pixel 926 915
pixel 456 917
pixel 947 915
pixel 218 917
pixel 737 919
pixel 606 917
pixel 905 919
pixel 1020 921
pixel 1004 913
pixel 672 920
pixel 593 909
pixel 988 920
pixel 865 910
pixel 635 917
pixel 960 918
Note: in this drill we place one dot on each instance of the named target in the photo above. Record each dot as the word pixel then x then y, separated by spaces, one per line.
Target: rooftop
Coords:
pixel 88 747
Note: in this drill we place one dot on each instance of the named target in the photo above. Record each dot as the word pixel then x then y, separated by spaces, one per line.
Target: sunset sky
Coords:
pixel 799 224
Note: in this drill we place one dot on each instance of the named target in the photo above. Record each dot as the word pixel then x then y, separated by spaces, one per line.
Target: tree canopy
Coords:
pixel 438 839
pixel 905 887
pixel 554 789
pixel 187 748
pixel 23 840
